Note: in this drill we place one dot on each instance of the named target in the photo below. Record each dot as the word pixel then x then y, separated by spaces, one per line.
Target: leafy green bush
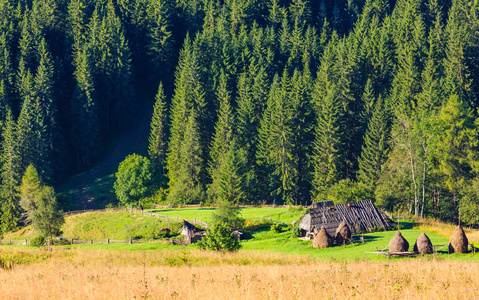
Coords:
pixel 133 180
pixel 276 228
pixel 220 238
pixel 295 231
pixel 38 241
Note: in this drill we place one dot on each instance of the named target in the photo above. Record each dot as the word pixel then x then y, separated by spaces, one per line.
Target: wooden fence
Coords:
pixel 142 212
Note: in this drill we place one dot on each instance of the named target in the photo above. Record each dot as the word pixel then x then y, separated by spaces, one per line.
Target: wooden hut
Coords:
pixel 192 233
pixel 359 216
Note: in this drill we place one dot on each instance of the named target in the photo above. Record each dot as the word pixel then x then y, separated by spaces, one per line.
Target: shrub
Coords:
pixel 276 228
pixel 219 238
pixel 296 231
pixel 38 241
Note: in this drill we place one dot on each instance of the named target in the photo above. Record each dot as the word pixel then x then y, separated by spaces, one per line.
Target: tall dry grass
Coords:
pixel 86 274
pixel 446 229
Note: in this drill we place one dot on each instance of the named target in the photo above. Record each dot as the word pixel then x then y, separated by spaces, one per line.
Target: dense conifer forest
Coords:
pixel 257 101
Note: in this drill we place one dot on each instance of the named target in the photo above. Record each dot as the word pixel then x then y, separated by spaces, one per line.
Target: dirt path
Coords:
pixel 93 188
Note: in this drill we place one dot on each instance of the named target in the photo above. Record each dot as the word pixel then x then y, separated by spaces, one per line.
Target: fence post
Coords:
pixel 26 242
pixel 107 240
pixel 91 241
pixel 130 240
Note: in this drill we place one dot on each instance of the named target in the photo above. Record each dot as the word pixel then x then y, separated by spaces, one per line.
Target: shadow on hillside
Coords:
pixel 406 224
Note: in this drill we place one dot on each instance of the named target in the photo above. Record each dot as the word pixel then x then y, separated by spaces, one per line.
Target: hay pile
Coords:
pixel 398 243
pixel 423 245
pixel 343 234
pixel 458 242
pixel 322 239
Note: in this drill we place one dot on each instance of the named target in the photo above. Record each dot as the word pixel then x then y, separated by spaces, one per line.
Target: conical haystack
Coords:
pixel 398 243
pixel 343 234
pixel 423 245
pixel 322 239
pixel 458 242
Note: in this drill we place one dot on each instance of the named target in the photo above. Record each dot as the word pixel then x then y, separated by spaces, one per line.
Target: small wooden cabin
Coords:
pixel 359 216
pixel 192 233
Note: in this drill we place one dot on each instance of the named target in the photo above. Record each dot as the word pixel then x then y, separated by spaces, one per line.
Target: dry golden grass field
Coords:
pixel 194 274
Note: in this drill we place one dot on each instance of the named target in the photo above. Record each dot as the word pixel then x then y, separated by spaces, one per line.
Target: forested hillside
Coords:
pixel 276 101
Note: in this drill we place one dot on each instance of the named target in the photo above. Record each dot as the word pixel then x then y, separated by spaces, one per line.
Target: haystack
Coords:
pixel 398 243
pixel 458 242
pixel 322 239
pixel 343 234
pixel 423 245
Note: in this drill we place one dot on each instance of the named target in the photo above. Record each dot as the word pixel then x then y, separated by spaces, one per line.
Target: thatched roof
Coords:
pixel 359 216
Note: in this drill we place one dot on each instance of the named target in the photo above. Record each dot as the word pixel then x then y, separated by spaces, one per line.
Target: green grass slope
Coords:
pixel 205 214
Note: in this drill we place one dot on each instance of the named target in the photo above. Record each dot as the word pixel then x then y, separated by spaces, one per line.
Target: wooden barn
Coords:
pixel 192 233
pixel 359 216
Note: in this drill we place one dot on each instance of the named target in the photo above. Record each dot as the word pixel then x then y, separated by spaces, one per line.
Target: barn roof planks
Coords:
pixel 359 216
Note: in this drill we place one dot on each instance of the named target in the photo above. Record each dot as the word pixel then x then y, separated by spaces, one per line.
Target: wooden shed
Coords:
pixel 192 233
pixel 359 216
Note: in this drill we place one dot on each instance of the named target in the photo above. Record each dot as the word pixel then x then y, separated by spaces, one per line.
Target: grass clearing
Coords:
pixel 205 214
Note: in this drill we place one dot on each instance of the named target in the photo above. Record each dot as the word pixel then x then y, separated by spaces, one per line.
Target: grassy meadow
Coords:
pixel 192 274
pixel 270 265
pixel 205 214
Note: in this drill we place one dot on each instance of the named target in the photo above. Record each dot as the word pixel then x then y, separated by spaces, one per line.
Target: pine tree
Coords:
pixel 160 36
pixel 230 182
pixel 157 139
pixel 188 187
pixel 85 123
pixel 328 149
pixel 30 189
pixel 375 146
pixel 111 57
pixel 76 26
pixel 223 127
pixel 222 136
pixel 10 174
pixel 46 122
pixel 188 97
pixel 27 134
pixel 6 75
pixel 457 76
pixel 275 150
pixel 456 144
pixel 302 129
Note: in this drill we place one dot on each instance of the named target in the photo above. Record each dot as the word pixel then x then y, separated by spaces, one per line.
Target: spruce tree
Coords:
pixel 46 122
pixel 160 45
pixel 375 146
pixel 10 174
pixel 275 149
pixel 30 189
pixel 230 182
pixel 188 187
pixel 222 136
pixel 328 147
pixel 157 139
pixel 84 109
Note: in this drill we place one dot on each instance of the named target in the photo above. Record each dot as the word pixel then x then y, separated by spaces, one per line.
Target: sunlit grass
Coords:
pixel 205 214
pixel 194 274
